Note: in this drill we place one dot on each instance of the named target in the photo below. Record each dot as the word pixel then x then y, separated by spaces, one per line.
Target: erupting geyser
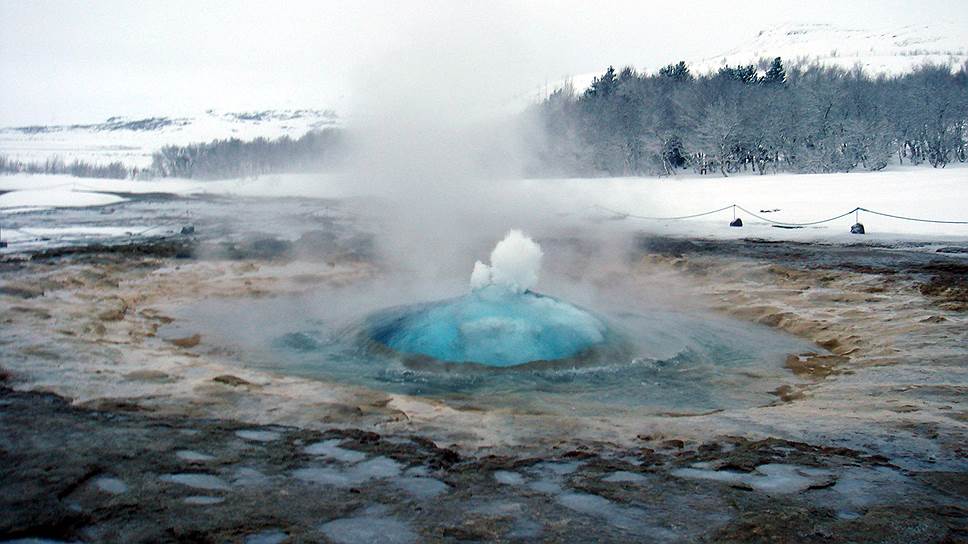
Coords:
pixel 501 322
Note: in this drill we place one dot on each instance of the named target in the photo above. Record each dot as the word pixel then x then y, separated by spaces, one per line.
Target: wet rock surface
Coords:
pixel 96 476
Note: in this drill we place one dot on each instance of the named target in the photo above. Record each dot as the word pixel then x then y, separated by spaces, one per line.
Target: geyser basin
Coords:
pixel 501 345
pixel 490 326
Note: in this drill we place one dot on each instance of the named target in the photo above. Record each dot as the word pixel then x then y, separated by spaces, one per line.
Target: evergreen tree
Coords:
pixel 603 86
pixel 776 75
pixel 676 72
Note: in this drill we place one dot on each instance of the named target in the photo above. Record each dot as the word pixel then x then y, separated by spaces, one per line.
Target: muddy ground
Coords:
pixel 109 433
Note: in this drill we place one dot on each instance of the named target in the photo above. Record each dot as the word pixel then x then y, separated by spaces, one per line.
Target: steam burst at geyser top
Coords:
pixel 500 323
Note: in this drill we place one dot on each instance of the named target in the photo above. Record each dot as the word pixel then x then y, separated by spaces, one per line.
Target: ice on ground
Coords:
pixel 508 477
pixel 331 449
pixel 324 476
pixel 259 436
pixel 374 469
pixel 195 480
pixel 418 470
pixel 246 476
pixel 773 478
pixel 113 486
pixel 624 517
pixel 266 537
pixel 56 198
pixel 625 476
pixel 203 500
pixel 557 468
pixel 369 529
pixel 378 467
pixel 422 487
pixel 193 456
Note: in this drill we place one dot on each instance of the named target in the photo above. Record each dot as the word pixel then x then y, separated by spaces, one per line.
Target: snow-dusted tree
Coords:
pixel 775 74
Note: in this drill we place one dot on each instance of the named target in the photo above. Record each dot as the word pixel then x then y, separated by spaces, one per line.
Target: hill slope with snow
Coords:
pixel 132 141
pixel 877 51
pixel 885 51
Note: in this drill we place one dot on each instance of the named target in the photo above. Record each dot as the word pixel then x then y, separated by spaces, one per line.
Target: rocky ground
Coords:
pixel 109 432
pixel 121 476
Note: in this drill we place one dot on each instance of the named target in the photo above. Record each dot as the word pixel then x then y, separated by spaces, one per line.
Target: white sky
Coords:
pixel 72 61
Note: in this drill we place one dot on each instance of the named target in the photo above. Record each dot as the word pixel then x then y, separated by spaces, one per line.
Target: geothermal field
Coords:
pixel 464 315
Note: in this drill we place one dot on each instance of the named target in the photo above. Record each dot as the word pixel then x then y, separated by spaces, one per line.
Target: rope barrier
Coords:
pixel 914 218
pixel 662 218
pixel 785 224
pixel 779 223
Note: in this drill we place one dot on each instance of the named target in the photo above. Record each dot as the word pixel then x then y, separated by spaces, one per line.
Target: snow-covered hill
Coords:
pixel 878 51
pixel 132 141
pixel 884 51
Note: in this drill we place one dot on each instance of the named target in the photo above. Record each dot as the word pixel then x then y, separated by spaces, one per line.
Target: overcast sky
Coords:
pixel 85 61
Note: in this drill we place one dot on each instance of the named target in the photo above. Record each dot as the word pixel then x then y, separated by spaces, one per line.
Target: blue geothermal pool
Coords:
pixel 490 326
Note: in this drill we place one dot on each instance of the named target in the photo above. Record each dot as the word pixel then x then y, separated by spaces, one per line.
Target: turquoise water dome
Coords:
pixel 491 326
pixel 501 322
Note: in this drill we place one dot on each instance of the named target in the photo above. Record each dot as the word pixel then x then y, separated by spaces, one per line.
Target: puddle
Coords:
pixel 331 449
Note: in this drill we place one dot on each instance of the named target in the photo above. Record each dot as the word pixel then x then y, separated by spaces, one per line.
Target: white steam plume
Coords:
pixel 515 263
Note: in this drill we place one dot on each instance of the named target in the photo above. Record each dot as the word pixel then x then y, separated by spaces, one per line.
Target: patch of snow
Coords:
pixel 55 198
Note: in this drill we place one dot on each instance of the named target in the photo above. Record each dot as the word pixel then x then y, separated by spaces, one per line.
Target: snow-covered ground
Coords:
pixel 919 192
pixel 54 197
pixel 132 141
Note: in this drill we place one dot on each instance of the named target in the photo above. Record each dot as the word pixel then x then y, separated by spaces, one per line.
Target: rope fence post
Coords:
pixel 857 227
pixel 737 222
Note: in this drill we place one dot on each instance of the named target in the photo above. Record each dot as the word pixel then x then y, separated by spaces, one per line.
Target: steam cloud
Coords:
pixel 515 263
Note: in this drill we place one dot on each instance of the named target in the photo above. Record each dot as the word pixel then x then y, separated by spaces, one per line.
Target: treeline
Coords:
pixel 233 158
pixel 748 118
pixel 220 159
pixel 78 168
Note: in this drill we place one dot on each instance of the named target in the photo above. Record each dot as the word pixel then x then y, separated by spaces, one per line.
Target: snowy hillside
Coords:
pixel 886 51
pixel 132 141
pixel 883 51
